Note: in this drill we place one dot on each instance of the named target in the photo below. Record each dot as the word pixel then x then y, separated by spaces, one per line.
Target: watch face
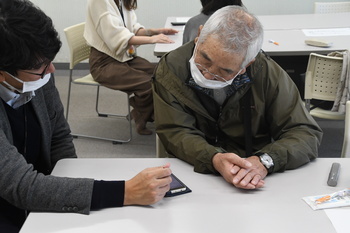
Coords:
pixel 266 160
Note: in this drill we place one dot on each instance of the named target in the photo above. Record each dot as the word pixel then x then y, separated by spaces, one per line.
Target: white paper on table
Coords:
pixel 327 32
pixel 340 219
pixel 333 203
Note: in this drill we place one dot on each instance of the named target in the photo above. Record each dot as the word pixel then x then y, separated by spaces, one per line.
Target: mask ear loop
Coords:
pixel 12 88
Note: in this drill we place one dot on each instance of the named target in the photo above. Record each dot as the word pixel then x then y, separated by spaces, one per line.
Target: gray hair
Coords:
pixel 237 30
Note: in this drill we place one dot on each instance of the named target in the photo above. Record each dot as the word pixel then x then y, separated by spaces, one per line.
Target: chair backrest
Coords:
pixel 322 77
pixel 79 49
pixel 331 7
pixel 346 143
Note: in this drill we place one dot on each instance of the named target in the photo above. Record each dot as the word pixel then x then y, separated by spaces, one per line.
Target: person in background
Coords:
pixel 34 134
pixel 224 106
pixel 113 32
pixel 209 7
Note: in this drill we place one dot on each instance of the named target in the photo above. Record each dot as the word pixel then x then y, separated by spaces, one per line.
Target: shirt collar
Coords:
pixel 13 99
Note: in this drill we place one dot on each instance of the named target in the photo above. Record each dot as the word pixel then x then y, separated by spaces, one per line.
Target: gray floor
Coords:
pixel 83 119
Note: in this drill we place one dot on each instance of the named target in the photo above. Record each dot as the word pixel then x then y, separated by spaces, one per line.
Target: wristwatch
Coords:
pixel 267 161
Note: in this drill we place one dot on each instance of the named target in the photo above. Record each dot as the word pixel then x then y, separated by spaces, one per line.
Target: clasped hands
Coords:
pixel 245 173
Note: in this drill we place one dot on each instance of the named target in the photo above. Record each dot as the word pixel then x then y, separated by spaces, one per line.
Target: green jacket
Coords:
pixel 281 127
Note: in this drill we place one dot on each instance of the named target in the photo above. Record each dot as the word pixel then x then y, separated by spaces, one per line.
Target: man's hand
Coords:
pixel 228 164
pixel 250 178
pixel 242 173
pixel 148 187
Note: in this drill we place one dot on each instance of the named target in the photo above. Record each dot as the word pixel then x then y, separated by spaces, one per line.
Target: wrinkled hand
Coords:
pixel 225 163
pixel 148 187
pixel 161 38
pixel 242 173
pixel 251 178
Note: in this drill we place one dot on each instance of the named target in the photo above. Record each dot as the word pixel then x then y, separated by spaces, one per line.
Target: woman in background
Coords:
pixel 209 7
pixel 113 32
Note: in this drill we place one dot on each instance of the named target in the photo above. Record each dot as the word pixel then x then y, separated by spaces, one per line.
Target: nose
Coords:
pixel 208 75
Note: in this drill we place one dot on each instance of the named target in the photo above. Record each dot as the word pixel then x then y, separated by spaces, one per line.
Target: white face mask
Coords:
pixel 207 83
pixel 29 86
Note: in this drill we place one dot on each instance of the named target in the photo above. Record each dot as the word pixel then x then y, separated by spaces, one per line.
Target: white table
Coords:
pixel 287 30
pixel 292 43
pixel 304 21
pixel 213 205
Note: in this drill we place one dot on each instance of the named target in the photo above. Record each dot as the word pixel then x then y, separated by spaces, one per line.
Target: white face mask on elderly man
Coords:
pixel 29 86
pixel 207 83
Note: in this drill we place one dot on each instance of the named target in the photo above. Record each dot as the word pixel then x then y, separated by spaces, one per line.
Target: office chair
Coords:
pixel 346 144
pixel 80 51
pixel 322 78
pixel 331 7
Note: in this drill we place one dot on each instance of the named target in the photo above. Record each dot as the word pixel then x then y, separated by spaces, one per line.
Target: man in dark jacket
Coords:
pixel 224 106
pixel 34 134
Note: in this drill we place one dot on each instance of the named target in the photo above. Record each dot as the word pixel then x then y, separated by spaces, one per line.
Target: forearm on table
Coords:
pixel 147 32
pixel 140 40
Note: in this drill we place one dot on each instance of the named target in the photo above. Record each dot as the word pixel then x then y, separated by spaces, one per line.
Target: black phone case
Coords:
pixel 187 190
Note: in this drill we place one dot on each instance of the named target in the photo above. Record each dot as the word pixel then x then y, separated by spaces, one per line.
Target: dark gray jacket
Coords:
pixel 27 189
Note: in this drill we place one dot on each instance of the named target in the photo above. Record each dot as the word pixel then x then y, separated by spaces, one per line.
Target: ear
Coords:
pixel 245 68
pixel 199 32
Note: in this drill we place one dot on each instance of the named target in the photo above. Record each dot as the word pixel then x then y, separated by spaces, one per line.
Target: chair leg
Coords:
pixel 114 141
pixel 129 116
pixel 97 101
pixel 307 104
pixel 104 114
pixel 69 91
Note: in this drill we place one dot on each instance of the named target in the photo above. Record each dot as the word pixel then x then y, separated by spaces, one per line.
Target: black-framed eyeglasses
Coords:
pixel 42 74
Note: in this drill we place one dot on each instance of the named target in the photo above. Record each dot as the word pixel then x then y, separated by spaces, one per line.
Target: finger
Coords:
pixel 163 182
pixel 243 163
pixel 235 169
pixel 161 171
pixel 167 165
pixel 255 180
pixel 164 188
pixel 260 184
pixel 247 179
pixel 248 186
pixel 241 174
pixel 173 32
pixel 167 40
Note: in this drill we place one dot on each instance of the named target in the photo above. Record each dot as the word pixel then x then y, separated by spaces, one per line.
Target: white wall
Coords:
pixel 153 13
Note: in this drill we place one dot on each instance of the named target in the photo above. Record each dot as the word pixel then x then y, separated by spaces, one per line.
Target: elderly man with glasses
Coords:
pixel 226 107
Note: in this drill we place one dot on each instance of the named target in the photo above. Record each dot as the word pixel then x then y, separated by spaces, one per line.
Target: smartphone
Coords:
pixel 177 187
